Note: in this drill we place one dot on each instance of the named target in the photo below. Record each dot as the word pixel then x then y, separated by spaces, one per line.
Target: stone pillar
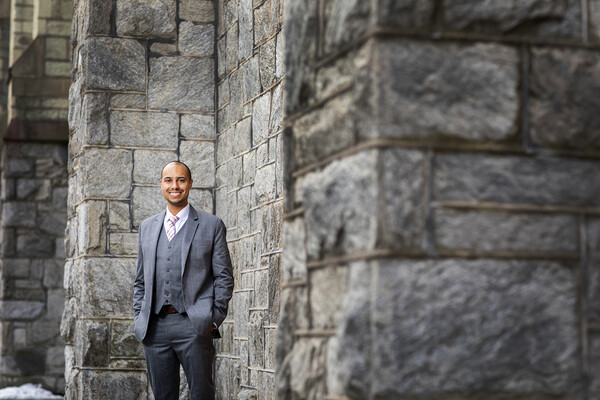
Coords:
pixel 250 189
pixel 441 200
pixel 143 95
pixel 21 27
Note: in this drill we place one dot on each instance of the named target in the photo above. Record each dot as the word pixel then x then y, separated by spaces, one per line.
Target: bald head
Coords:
pixel 189 173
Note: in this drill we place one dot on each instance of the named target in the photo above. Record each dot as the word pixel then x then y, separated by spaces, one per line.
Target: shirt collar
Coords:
pixel 182 215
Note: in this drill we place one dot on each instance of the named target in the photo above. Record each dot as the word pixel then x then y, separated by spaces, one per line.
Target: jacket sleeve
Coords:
pixel 222 274
pixel 138 286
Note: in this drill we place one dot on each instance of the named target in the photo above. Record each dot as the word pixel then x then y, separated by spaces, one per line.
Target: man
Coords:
pixel 182 288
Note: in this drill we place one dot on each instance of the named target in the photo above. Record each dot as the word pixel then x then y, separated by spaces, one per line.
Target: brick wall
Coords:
pixel 442 200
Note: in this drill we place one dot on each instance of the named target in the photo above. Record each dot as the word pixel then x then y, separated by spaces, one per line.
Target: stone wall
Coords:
pixel 34 195
pixel 442 200
pixel 249 196
pixel 33 221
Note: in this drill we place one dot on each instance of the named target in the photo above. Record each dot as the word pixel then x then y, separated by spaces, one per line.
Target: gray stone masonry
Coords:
pixel 442 200
pixel 34 195
pixel 149 87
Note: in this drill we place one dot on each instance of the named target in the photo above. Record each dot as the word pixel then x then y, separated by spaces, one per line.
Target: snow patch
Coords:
pixel 28 392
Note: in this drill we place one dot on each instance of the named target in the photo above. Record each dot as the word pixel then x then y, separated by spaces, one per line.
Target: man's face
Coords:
pixel 175 184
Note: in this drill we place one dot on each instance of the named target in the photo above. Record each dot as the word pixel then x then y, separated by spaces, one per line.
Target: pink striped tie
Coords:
pixel 171 227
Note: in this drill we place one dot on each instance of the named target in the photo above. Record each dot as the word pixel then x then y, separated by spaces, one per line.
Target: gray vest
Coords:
pixel 167 286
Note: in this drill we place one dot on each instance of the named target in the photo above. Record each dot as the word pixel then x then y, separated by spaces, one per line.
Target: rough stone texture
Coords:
pixel 146 18
pixel 102 179
pixel 132 128
pixel 511 179
pixel 113 64
pixel 595 366
pixel 403 191
pixel 200 157
pixel 198 11
pixel 529 17
pixel 148 164
pixel 447 313
pixel 169 85
pixel 446 90
pixel 325 132
pixel 32 295
pixel 564 97
pixel 593 281
pixel 497 231
pixel 196 40
pixel 336 223
pixel 198 126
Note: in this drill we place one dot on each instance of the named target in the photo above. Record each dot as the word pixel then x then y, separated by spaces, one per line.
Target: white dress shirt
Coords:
pixel 182 215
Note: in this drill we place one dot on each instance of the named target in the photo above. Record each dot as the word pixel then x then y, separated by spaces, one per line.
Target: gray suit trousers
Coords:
pixel 172 340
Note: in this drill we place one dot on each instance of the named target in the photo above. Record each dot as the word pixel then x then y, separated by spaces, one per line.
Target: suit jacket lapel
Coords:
pixel 154 234
pixel 189 230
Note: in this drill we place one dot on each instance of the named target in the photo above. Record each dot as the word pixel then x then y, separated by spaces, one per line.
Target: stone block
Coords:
pixel 170 87
pixel 271 226
pixel 96 17
pixel 15 268
pixel 119 215
pixel 563 95
pixel 404 193
pixel 127 100
pixel 140 128
pixel 148 164
pixel 53 274
pixel 300 30
pixel 251 73
pixel 19 214
pixel 466 92
pixel 114 64
pixel 200 158
pixel 245 24
pixel 163 49
pixel 104 384
pixel 261 110
pixel 594 388
pixel 52 223
pixel 256 339
pixel 265 184
pixel 294 251
pixel 242 301
pixel 196 40
pixel 57 48
pixel 501 231
pixel 34 244
pixel 346 21
pixel 267 63
pixel 231 48
pixel 593 278
pixel 265 23
pixel 98 174
pixel 514 179
pixel 91 228
pixel 326 299
pixel 18 167
pixel 197 10
pixel 466 326
pixel 147 201
pixel 121 243
pixel 340 206
pixel 55 303
pixel 21 310
pixel 544 18
pixel 123 340
pixel 104 286
pixel 303 371
pixel 324 132
pixel 198 126
pixel 146 18
pixel 274 288
pixel 33 189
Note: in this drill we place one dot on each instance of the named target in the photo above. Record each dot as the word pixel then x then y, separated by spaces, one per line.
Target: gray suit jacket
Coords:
pixel 207 275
